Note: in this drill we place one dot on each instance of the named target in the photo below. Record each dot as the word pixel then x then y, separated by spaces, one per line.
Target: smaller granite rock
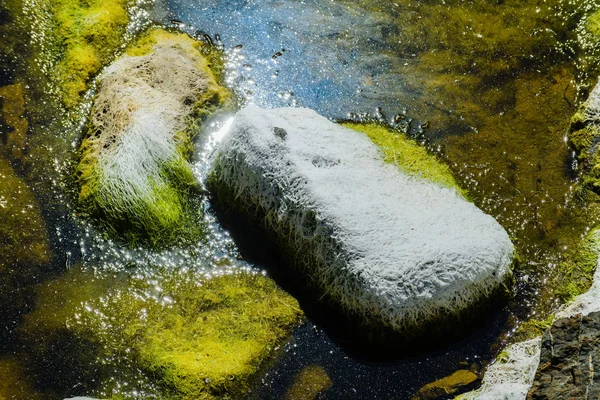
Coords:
pixel 446 386
pixel 134 171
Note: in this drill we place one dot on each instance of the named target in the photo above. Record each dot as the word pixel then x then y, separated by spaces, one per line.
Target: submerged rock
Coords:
pixel 398 250
pixel 309 383
pixel 569 360
pixel 167 334
pixel 23 240
pixel 134 172
pixel 446 386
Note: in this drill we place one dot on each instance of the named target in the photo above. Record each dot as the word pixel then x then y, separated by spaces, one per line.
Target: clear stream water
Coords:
pixel 487 85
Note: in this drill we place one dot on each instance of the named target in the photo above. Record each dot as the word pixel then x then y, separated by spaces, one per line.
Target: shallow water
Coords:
pixel 490 87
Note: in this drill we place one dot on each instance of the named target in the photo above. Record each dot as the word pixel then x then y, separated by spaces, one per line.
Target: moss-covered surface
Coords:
pixel 408 155
pixel 164 214
pixel 460 380
pixel 584 137
pixel 529 330
pixel 310 382
pixel 83 36
pixel 175 334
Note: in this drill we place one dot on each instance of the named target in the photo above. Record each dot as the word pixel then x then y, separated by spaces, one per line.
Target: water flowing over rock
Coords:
pixel 399 251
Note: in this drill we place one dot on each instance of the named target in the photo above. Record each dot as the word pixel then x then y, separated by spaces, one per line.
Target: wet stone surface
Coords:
pixel 569 359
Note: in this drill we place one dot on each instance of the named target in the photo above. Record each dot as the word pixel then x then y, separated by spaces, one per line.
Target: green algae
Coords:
pixel 529 330
pixel 164 214
pixel 576 274
pixel 84 36
pixel 409 156
pixel 187 334
pixel 309 383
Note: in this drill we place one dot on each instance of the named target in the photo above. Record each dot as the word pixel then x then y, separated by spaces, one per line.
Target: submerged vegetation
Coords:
pixel 82 37
pixel 196 336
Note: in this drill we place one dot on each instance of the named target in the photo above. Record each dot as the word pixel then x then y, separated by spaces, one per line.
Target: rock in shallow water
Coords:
pixel 400 251
pixel 134 173
pixel 510 377
pixel 568 360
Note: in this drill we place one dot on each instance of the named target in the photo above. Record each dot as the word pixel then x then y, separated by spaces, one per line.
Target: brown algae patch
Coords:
pixel 310 382
pixel 15 382
pixel 13 123
pixel 178 333
pixel 23 238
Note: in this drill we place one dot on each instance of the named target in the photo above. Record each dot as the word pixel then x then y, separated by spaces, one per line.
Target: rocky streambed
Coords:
pixel 162 240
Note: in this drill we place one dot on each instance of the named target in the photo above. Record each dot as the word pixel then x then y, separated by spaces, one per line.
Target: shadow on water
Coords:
pixel 348 349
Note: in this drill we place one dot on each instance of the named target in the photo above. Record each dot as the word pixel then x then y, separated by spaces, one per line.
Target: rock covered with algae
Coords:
pixel 77 38
pixel 162 334
pixel 134 171
pixel 395 248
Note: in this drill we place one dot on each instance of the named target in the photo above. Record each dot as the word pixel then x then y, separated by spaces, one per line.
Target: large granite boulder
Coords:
pixel 400 251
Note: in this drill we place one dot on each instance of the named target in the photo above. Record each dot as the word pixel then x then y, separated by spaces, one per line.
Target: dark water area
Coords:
pixel 487 86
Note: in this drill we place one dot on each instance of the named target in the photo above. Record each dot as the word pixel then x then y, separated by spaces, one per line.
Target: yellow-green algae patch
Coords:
pixel 143 193
pixel 310 382
pixel 84 35
pixel 409 156
pixel 192 336
pixel 445 386
pixel 573 276
pixel 23 238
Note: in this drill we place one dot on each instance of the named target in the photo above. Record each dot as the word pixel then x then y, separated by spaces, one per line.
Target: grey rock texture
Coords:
pixel 570 360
